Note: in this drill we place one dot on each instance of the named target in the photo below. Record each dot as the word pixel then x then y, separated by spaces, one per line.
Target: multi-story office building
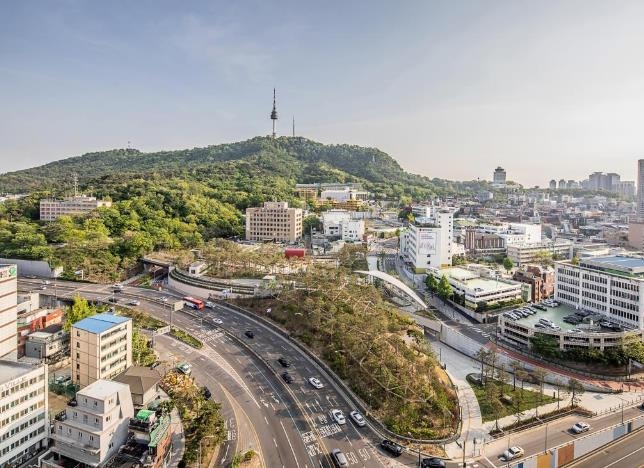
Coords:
pixel 23 411
pixel 612 286
pixel 338 223
pixel 8 311
pixel 275 221
pixel 101 348
pixel 92 430
pixel 522 254
pixel 51 209
pixel 427 243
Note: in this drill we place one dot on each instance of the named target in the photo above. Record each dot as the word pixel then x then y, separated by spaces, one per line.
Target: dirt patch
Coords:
pixel 57 403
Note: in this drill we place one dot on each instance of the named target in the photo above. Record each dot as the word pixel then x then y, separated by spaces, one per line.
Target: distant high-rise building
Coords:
pixel 562 184
pixel 640 189
pixel 499 177
pixel 553 184
pixel 8 311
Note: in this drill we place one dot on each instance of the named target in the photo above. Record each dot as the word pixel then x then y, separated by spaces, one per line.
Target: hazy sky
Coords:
pixel 546 89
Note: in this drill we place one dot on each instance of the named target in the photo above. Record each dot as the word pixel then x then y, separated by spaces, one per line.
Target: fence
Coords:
pixel 67 389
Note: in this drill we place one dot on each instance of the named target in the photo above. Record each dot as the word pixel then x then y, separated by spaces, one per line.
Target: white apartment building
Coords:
pixel 514 233
pixel 427 243
pixel 92 431
pixel 50 209
pixel 343 195
pixel 612 286
pixel 338 223
pixel 8 312
pixel 101 348
pixel 275 221
pixel 23 411
pixel 522 254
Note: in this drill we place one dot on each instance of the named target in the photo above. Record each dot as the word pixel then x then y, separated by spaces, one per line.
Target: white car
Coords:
pixel 218 321
pixel 358 418
pixel 512 453
pixel 164 299
pixel 338 417
pixel 210 305
pixel 134 302
pixel 580 427
pixel 316 383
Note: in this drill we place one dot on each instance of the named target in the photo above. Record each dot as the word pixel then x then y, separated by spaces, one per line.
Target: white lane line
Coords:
pixel 275 442
pixel 290 445
pixel 265 419
pixel 623 458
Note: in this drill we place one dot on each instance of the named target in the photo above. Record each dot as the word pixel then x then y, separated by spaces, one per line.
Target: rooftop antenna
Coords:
pixel 75 179
pixel 293 126
pixel 274 113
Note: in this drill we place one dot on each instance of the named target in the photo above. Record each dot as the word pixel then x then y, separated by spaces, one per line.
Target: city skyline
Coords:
pixel 535 89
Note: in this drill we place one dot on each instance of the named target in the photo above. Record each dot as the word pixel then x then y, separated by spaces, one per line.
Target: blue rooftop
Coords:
pixel 100 322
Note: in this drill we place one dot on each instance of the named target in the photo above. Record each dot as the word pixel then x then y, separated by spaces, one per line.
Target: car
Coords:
pixel 284 362
pixel 210 305
pixel 288 378
pixel 392 447
pixel 539 325
pixel 338 416
pixel 339 458
pixel 43 288
pixel 184 368
pixel 62 379
pixel 512 453
pixel 164 299
pixel 315 383
pixel 540 307
pixel 155 364
pixel 358 418
pixel 249 334
pixel 117 287
pixel 219 321
pixel 206 393
pixel 642 406
pixel 432 462
pixel 580 427
pixel 134 302
pixel 113 299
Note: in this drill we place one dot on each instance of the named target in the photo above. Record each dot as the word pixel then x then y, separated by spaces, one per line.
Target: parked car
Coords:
pixel 432 463
pixel 155 364
pixel 339 458
pixel 315 383
pixel 358 418
pixel 338 416
pixel 206 393
pixel 288 378
pixel 539 325
pixel 284 362
pixel 249 334
pixel 512 453
pixel 184 368
pixel 134 302
pixel 164 299
pixel 580 427
pixel 392 447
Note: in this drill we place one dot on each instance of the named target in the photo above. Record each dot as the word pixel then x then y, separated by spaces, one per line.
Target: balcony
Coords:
pixel 61 416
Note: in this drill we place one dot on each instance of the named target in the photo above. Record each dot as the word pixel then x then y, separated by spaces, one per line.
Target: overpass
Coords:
pixel 396 283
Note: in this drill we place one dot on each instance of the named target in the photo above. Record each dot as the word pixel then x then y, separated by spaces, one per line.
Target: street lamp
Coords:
pixel 200 441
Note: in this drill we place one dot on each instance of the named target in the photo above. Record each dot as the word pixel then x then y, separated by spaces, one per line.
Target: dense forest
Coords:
pixel 180 199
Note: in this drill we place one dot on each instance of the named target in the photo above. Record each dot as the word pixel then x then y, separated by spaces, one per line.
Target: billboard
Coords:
pixel 427 242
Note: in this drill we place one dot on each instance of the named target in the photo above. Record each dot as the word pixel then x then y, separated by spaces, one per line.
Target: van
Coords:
pixel 339 458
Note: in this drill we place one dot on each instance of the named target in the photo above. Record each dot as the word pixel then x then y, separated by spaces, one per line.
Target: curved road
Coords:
pixel 291 423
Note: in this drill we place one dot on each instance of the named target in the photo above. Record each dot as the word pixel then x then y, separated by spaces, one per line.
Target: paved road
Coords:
pixel 628 452
pixel 291 421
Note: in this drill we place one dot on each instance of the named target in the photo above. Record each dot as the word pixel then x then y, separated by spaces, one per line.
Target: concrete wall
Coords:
pixel 33 267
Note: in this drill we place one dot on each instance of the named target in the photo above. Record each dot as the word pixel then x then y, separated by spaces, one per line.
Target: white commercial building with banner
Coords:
pixel 427 243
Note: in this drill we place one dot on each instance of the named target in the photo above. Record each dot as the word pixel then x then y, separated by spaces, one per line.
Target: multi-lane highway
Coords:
pixel 289 422
pixel 627 452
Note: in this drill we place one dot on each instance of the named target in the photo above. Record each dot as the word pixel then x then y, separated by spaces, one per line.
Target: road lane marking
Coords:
pixel 289 444
pixel 623 458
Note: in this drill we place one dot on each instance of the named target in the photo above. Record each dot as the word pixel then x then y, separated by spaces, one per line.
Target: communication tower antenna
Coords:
pixel 293 126
pixel 274 113
pixel 75 179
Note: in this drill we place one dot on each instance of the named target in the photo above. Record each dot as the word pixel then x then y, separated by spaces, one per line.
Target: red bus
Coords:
pixel 194 303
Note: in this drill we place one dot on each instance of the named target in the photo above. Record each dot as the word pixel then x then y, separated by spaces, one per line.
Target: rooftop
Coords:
pixel 624 264
pixel 101 389
pixel 99 323
pixel 10 370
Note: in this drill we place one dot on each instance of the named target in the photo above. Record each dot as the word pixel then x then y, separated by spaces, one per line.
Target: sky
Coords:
pixel 551 89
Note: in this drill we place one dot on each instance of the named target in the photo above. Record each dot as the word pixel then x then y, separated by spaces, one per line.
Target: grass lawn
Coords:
pixel 531 399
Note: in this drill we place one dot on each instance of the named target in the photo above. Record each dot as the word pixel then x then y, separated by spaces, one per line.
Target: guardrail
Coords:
pixel 212 284
pixel 337 382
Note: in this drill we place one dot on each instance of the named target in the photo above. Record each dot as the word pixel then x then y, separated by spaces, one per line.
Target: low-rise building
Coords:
pixel 50 344
pixel 339 224
pixel 93 426
pixel 23 411
pixel 151 441
pixel 101 348
pixel 521 254
pixel 541 281
pixel 51 209
pixel 143 383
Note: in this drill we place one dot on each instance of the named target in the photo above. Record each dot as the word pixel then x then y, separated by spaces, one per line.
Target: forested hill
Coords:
pixel 293 160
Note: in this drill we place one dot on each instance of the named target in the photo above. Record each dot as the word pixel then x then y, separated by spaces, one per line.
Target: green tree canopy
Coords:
pixel 444 289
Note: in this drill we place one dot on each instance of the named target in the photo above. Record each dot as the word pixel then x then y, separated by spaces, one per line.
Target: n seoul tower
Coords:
pixel 274 113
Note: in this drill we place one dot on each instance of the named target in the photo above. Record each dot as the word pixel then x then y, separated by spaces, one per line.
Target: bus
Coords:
pixel 194 303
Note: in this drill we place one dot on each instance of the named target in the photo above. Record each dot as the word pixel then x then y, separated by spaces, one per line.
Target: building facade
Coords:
pixel 51 209
pixel 275 221
pixel 427 243
pixel 499 177
pixel 101 348
pixel 94 428
pixel 612 286
pixel 521 254
pixel 540 279
pixel 8 311
pixel 50 344
pixel 23 411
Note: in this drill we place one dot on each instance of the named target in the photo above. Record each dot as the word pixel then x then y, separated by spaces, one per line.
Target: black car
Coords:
pixel 155 364
pixel 391 447
pixel 284 362
pixel 249 334
pixel 432 463
pixel 113 299
pixel 206 393
pixel 288 378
